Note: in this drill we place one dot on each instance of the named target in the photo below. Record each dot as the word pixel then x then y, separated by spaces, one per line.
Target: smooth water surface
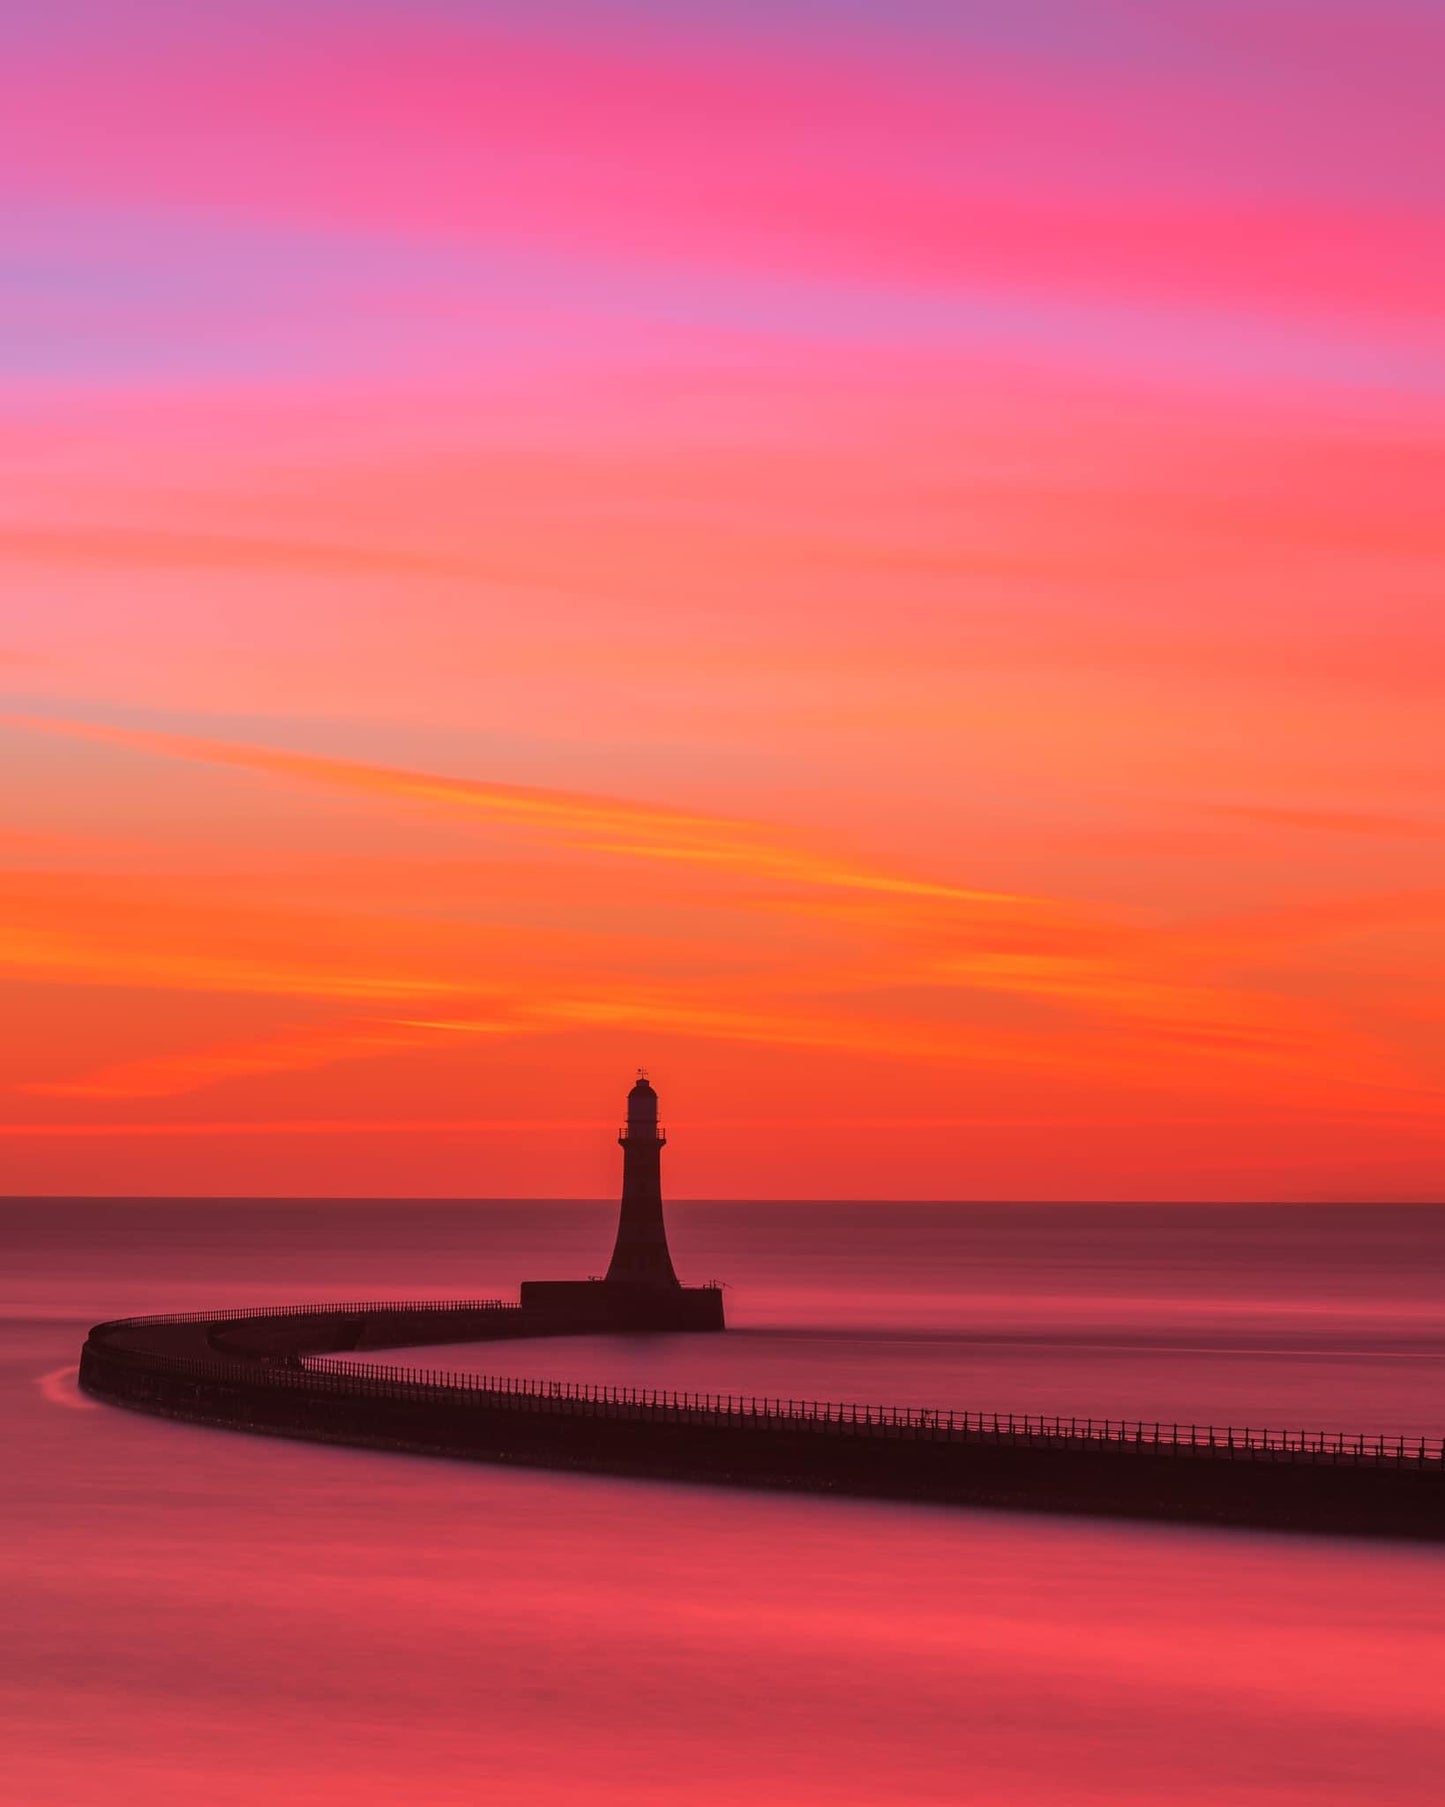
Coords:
pixel 197 1615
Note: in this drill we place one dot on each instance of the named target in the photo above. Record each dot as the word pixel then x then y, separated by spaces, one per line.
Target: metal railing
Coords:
pixel 915 1422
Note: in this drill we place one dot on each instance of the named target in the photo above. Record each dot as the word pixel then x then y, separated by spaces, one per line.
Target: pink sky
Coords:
pixel 882 564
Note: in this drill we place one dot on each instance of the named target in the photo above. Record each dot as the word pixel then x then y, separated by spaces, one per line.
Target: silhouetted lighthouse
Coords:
pixel 640 1255
pixel 642 1290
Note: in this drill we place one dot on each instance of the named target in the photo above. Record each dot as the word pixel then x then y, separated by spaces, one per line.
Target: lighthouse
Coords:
pixel 640 1256
pixel 641 1290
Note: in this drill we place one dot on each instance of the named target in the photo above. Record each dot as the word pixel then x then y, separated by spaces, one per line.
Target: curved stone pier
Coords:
pixel 284 1371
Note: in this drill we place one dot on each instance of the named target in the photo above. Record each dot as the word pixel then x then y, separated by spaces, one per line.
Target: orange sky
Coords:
pixel 894 583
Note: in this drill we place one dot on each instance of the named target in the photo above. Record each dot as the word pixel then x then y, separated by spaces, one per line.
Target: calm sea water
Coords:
pixel 199 1616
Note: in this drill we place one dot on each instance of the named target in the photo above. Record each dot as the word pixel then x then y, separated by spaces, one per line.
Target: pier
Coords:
pixel 292 1371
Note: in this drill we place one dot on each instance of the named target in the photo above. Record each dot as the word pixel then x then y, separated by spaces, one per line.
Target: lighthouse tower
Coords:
pixel 642 1290
pixel 640 1256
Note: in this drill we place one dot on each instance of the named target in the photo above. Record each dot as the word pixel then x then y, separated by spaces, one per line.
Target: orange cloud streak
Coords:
pixel 75 959
pixel 575 819
pixel 294 1051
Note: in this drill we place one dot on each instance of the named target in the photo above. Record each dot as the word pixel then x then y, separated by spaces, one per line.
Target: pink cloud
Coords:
pixel 974 171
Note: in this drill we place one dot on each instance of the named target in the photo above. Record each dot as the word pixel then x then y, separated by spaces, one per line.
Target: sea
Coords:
pixel 197 1616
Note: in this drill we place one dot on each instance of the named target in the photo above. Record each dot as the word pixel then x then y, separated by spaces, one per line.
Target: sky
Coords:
pixel 883 563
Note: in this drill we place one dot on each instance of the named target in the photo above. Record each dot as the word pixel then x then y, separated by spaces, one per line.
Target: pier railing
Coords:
pixel 917 1423
pixel 334 1376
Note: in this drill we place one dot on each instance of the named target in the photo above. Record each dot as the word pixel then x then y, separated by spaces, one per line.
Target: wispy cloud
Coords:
pixel 264 1128
pixel 597 824
pixel 60 957
pixel 295 1050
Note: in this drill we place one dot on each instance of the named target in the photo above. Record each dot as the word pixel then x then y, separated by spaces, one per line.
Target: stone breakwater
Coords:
pixel 290 1371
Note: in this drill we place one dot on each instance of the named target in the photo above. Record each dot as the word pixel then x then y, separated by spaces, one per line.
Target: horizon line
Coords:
pixel 610 1202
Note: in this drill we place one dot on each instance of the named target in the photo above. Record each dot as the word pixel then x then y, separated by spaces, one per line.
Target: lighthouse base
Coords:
pixel 579 1307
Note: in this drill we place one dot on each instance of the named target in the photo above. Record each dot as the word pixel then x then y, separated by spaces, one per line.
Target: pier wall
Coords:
pixel 265 1372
